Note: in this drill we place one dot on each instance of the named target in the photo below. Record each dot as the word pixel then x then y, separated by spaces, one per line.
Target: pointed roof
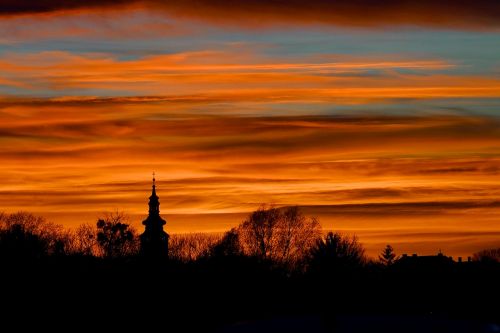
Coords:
pixel 154 240
pixel 154 202
pixel 153 192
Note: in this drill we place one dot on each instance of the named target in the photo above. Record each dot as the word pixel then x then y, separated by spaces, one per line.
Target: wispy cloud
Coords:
pixel 132 24
pixel 239 75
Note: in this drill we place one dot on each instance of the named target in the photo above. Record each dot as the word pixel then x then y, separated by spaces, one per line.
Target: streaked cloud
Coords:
pixel 70 161
pixel 245 77
pixel 389 133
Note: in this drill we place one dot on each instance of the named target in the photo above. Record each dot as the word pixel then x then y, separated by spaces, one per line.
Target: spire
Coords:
pixel 154 203
pixel 154 185
pixel 154 240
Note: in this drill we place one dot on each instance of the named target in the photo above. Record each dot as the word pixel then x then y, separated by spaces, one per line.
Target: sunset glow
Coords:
pixel 383 125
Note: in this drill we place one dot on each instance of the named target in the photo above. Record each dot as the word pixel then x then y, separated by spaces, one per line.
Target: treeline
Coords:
pixel 277 263
pixel 284 237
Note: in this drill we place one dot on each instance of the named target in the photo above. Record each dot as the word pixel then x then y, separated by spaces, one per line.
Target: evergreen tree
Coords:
pixel 387 257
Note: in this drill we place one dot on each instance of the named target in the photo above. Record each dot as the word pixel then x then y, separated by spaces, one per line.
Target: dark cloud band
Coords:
pixel 479 14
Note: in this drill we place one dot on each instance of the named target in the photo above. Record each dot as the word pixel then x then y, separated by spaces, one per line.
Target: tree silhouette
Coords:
pixel 487 255
pixel 387 257
pixel 228 246
pixel 189 247
pixel 86 240
pixel 337 252
pixel 24 235
pixel 114 237
pixel 280 235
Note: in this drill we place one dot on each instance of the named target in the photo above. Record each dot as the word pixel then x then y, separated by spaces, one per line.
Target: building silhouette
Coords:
pixel 154 240
pixel 438 260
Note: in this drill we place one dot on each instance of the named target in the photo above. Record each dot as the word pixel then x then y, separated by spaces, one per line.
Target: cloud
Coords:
pixel 238 74
pixel 402 208
pixel 134 24
pixel 77 157
pixel 242 160
pixel 12 7
pixel 481 14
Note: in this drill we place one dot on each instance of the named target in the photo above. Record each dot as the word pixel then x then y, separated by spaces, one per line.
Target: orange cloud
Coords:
pixel 239 75
pixel 377 176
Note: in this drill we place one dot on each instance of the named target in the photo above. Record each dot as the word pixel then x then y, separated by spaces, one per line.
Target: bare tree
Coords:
pixel 189 247
pixel 86 240
pixel 25 234
pixel 282 235
pixel 258 232
pixel 487 255
pixel 66 243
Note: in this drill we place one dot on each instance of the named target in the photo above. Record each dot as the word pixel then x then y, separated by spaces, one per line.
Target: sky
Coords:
pixel 381 118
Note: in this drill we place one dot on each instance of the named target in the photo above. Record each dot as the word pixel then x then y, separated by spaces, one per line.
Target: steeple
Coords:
pixel 154 240
pixel 154 202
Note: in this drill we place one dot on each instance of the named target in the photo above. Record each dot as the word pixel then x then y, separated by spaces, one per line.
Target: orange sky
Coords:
pixel 72 168
pixel 391 134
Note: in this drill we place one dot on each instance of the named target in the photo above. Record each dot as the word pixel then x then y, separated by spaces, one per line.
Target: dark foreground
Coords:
pixel 244 295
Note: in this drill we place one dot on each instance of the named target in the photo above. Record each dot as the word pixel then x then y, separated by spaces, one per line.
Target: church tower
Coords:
pixel 154 241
